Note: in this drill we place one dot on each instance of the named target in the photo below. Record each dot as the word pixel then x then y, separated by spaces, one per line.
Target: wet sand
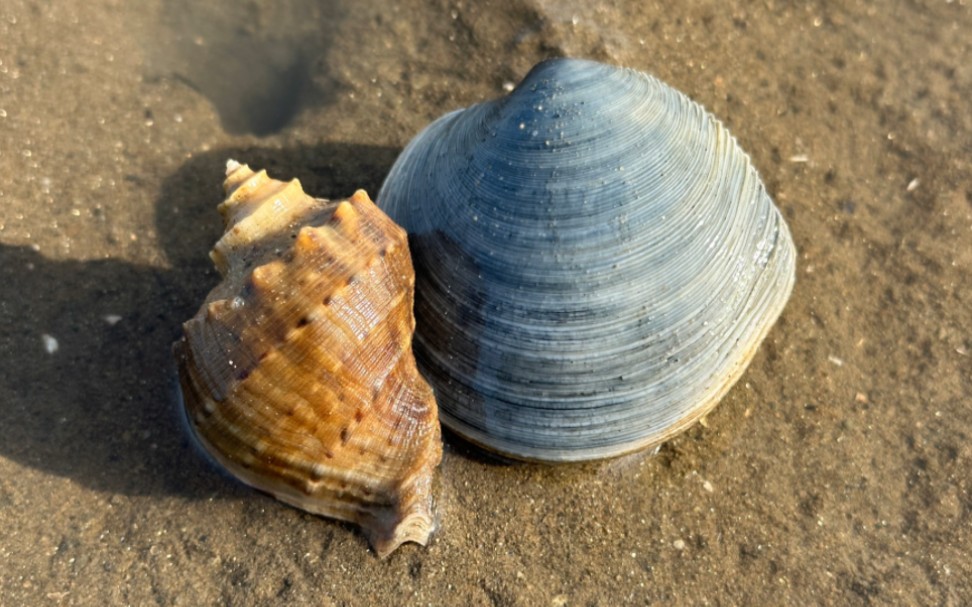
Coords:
pixel 836 472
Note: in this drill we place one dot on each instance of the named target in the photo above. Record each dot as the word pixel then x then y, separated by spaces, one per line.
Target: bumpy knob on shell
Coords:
pixel 297 372
pixel 597 262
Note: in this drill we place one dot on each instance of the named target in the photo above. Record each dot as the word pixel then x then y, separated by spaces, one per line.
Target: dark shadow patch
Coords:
pixel 104 408
pixel 258 66
pixel 468 450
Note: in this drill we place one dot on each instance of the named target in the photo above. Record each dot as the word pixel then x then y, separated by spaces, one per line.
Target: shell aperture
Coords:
pixel 597 262
pixel 297 372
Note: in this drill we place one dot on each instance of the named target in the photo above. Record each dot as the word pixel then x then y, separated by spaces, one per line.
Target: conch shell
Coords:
pixel 297 372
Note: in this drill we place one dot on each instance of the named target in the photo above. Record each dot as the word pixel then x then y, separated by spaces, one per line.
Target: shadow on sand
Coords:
pixel 102 409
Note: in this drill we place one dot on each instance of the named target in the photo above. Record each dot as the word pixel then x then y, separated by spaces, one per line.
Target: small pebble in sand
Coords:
pixel 799 158
pixel 912 185
pixel 112 319
pixel 837 361
pixel 708 487
pixel 50 343
pixel 679 544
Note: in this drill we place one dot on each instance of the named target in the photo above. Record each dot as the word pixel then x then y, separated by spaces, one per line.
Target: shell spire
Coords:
pixel 297 371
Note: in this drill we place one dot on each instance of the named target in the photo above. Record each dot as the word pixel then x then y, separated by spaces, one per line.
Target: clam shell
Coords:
pixel 297 372
pixel 597 262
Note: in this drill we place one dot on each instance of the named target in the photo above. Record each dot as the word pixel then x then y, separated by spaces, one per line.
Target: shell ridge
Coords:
pixel 594 243
pixel 275 366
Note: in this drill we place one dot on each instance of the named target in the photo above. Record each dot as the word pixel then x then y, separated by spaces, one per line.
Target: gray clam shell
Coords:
pixel 597 261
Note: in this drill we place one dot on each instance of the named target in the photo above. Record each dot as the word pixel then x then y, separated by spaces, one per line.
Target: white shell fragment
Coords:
pixel 597 262
pixel 50 343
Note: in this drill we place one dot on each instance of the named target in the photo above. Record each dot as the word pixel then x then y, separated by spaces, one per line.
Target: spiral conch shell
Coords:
pixel 297 372
pixel 597 262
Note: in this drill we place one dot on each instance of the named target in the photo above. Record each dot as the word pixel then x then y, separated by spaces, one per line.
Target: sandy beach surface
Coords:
pixel 836 472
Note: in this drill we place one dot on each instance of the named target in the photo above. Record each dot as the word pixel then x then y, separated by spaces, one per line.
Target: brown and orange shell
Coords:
pixel 297 371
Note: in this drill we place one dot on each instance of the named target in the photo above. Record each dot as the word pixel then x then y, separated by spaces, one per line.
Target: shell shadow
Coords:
pixel 258 72
pixel 455 443
pixel 103 409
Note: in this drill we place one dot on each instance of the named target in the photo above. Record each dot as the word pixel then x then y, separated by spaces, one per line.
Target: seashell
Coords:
pixel 297 371
pixel 597 262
